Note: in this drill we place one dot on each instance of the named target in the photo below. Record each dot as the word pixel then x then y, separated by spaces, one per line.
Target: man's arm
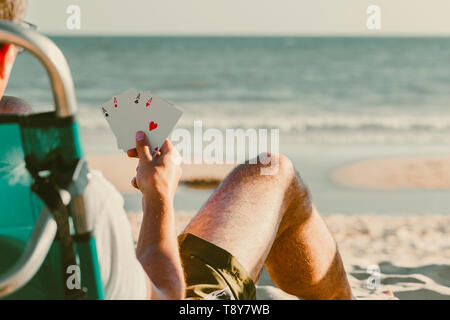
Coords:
pixel 157 249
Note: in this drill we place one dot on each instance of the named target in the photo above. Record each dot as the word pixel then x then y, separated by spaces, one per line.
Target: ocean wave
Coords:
pixel 424 138
pixel 298 122
pixel 304 123
pixel 385 126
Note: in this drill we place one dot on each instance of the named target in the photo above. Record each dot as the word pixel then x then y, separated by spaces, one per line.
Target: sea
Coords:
pixel 334 100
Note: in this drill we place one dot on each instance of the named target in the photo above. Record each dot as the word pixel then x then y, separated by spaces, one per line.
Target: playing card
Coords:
pixel 131 120
pixel 115 111
pixel 125 126
pixel 156 117
pixel 134 111
pixel 118 114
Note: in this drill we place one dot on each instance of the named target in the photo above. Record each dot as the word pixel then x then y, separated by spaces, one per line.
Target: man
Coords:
pixel 249 222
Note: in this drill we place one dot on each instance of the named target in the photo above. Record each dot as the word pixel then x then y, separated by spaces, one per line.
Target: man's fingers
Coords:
pixel 134 183
pixel 143 146
pixel 166 147
pixel 132 153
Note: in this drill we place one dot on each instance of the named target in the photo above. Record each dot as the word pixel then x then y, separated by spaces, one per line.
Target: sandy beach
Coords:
pixel 119 170
pixel 412 252
pixel 387 173
pixel 396 173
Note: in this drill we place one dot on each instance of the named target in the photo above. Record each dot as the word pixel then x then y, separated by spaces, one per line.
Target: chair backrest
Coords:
pixel 20 210
pixel 30 267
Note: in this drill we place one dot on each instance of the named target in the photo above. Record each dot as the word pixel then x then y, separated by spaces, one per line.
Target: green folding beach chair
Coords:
pixel 46 238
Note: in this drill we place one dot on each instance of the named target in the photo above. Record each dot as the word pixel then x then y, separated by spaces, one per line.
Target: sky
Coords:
pixel 242 17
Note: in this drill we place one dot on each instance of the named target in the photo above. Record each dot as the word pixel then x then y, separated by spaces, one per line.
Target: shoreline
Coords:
pixel 119 170
pixel 395 173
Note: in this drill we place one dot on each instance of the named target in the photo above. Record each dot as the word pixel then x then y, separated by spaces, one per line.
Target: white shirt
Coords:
pixel 123 277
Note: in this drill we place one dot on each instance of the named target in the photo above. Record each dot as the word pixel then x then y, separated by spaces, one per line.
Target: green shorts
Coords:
pixel 212 272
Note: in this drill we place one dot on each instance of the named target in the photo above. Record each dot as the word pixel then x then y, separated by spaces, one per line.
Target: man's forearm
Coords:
pixel 157 247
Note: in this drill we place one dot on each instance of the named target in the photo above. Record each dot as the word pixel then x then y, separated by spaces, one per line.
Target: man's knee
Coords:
pixel 273 166
pixel 279 175
pixel 297 189
pixel 283 166
pixel 270 164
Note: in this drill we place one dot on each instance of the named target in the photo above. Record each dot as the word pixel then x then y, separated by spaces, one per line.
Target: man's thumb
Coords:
pixel 143 145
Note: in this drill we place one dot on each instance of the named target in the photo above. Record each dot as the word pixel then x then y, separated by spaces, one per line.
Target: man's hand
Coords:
pixel 157 248
pixel 156 176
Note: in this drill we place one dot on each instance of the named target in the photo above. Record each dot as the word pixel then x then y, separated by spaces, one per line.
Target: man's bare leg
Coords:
pixel 269 219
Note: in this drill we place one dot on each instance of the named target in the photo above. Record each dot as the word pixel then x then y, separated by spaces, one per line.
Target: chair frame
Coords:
pixel 45 229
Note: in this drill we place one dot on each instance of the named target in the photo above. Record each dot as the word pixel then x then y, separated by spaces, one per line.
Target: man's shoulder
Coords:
pixel 96 178
pixel 14 105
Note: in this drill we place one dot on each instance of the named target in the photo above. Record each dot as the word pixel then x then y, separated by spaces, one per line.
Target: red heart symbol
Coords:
pixel 152 126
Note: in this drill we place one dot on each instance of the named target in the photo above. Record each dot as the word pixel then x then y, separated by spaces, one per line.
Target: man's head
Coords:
pixel 9 10
pixel 12 9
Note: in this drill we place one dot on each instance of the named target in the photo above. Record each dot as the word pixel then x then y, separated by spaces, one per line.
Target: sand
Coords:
pixel 387 174
pixel 119 170
pixel 396 173
pixel 412 253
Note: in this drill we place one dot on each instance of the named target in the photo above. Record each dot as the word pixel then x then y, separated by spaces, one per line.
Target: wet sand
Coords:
pixel 396 173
